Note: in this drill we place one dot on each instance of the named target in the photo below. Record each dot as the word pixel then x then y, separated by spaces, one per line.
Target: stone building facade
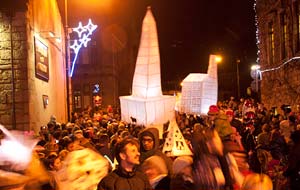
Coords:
pixel 109 59
pixel 279 44
pixel 32 79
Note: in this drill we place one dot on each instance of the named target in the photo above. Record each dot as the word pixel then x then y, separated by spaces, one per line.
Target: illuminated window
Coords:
pixel 77 100
pixel 284 36
pixel 271 43
pixel 297 9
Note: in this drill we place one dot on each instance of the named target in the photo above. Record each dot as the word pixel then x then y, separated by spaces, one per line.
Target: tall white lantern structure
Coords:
pixel 200 90
pixel 147 104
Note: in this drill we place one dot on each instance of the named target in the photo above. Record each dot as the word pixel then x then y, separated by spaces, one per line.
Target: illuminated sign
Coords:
pixel 83 32
pixel 41 60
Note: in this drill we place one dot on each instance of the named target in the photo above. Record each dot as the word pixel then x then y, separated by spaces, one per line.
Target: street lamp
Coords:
pixel 218 59
pixel 255 72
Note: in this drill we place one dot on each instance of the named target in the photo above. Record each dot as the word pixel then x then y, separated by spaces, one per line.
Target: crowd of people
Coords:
pixel 237 145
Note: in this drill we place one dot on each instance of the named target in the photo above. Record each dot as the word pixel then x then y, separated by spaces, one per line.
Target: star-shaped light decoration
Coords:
pixel 84 40
pixel 75 46
pixel 80 29
pixel 83 32
pixel 90 26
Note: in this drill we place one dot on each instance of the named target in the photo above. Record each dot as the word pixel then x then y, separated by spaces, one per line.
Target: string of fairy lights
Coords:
pixel 258 48
pixel 83 34
pixel 257 32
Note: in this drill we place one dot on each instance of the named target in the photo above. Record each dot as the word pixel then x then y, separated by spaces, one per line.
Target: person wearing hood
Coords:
pixel 149 142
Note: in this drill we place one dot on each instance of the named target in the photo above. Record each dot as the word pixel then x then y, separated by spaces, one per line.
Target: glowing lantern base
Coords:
pixel 150 111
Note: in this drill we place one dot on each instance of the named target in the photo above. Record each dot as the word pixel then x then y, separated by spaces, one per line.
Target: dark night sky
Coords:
pixel 189 30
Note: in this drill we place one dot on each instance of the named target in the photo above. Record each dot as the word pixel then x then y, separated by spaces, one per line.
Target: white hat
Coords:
pixel 181 162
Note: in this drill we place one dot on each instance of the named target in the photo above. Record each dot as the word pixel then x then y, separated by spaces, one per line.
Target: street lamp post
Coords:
pixel 67 56
pixel 238 77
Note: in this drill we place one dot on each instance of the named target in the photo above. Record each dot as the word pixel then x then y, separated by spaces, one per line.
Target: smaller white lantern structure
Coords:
pixel 175 144
pixel 147 104
pixel 200 90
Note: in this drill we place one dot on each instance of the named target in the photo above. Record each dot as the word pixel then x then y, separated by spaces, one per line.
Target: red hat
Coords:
pixel 213 110
pixel 229 112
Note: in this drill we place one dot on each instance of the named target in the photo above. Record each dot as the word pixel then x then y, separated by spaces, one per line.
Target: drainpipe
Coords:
pixel 67 58
pixel 13 118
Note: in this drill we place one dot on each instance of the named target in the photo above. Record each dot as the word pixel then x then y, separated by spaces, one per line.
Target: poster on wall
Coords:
pixel 41 60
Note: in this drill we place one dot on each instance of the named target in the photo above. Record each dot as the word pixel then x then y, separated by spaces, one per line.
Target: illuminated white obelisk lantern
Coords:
pixel 147 103
pixel 200 90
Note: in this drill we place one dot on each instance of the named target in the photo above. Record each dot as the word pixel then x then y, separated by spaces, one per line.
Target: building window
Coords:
pixel 77 100
pixel 86 88
pixel 284 36
pixel 297 9
pixel 271 43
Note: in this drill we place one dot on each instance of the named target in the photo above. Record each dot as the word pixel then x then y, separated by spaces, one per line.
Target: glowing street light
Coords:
pixel 255 67
pixel 255 73
pixel 218 59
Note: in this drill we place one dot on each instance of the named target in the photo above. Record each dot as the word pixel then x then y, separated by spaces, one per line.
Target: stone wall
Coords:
pixel 280 85
pixel 21 91
pixel 13 71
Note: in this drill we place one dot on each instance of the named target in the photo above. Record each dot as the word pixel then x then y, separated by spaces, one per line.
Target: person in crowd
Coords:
pixel 149 142
pixel 235 136
pixel 207 170
pixel 53 165
pixel 249 141
pixel 52 120
pixel 278 145
pixel 257 181
pixel 263 138
pixel 80 141
pixel 67 143
pixel 263 141
pixel 287 127
pixel 233 121
pixel 233 145
pixel 219 122
pixel 52 145
pixel 156 170
pixel 125 176
pixel 293 169
pixel 103 146
pixel 232 104
pixel 182 178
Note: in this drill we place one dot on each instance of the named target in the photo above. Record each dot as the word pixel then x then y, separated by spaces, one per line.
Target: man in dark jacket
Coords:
pixel 125 176
pixel 149 142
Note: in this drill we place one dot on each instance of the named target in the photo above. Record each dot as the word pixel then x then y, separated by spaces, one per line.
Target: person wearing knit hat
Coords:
pixel 156 170
pixel 182 178
pixel 181 163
